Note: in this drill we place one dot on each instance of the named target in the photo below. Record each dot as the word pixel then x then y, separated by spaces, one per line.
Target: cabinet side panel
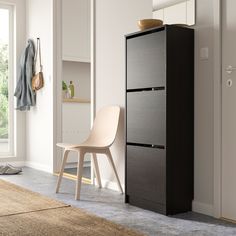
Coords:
pixel 180 118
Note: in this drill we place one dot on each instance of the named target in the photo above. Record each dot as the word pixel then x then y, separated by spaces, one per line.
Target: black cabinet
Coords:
pixel 159 119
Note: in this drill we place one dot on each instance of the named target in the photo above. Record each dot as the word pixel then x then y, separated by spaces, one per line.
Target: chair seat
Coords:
pixel 86 144
pixel 66 145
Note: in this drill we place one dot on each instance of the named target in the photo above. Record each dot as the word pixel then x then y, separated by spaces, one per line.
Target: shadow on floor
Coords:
pixel 193 216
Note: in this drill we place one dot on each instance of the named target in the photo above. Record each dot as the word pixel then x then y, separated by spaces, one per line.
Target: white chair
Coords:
pixel 100 139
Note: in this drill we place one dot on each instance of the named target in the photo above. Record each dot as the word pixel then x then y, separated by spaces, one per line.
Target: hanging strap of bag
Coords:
pixel 38 80
pixel 38 53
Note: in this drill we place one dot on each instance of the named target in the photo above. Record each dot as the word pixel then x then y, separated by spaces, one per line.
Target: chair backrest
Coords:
pixel 105 126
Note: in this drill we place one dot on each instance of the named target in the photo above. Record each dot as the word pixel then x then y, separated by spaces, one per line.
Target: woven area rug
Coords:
pixel 23 212
pixel 15 200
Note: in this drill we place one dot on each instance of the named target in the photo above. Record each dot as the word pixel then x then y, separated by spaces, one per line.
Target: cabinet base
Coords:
pixel 146 204
pixel 157 207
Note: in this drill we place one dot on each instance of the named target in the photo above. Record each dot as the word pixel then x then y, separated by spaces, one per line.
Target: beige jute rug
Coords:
pixel 24 213
pixel 15 199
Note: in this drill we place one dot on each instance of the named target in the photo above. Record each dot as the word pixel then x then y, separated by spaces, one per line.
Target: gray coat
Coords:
pixel 26 97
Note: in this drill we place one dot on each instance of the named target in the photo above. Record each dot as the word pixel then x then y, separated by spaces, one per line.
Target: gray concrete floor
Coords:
pixel 110 205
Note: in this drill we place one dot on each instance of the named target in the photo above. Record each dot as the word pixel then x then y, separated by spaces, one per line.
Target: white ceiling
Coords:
pixel 159 4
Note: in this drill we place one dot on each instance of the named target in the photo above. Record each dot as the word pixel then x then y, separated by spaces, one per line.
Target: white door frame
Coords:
pixel 93 72
pixel 93 60
pixel 57 58
pixel 217 81
pixel 57 70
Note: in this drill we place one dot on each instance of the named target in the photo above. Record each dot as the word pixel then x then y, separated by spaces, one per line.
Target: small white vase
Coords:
pixel 64 94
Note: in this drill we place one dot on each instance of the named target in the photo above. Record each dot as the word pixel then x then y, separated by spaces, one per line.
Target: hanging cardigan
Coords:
pixel 25 95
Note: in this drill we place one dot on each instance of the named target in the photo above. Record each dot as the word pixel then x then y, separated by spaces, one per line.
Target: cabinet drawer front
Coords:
pixel 146 61
pixel 146 173
pixel 146 117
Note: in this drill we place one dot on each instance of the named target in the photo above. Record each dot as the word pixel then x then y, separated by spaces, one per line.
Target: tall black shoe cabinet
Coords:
pixel 160 119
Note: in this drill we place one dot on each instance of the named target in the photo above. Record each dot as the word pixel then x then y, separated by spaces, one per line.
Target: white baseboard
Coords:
pixel 111 185
pixel 38 166
pixel 14 163
pixel 203 208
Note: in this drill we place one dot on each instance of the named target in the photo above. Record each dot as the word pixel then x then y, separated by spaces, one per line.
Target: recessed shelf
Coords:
pixel 75 100
pixel 75 59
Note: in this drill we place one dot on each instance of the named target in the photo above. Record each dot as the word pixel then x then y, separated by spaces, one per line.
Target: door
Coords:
pixel 146 61
pixel 228 109
pixel 146 117
pixel 146 174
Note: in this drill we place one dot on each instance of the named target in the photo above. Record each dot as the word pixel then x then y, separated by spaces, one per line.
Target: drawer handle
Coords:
pixel 146 89
pixel 146 145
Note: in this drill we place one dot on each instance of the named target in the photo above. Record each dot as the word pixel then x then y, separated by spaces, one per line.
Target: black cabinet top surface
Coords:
pixel 156 29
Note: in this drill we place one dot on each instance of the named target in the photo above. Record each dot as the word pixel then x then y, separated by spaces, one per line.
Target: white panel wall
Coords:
pixel 176 13
pixel 76 30
pixel 20 44
pixel 114 19
pixel 39 120
pixel 159 14
pixel 191 4
pixel 159 4
pixel 204 103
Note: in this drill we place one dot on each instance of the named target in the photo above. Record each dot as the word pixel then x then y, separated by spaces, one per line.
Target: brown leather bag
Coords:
pixel 38 80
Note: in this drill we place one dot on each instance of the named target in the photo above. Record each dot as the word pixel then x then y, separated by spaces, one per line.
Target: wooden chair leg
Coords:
pixel 79 174
pixel 65 155
pixel 96 170
pixel 108 153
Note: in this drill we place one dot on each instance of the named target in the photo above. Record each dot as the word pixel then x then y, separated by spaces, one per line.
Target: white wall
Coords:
pixel 39 122
pixel 180 13
pixel 20 39
pixel 113 20
pixel 159 4
pixel 204 109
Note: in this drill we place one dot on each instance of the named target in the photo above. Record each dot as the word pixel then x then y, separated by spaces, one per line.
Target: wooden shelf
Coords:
pixel 75 59
pixel 75 100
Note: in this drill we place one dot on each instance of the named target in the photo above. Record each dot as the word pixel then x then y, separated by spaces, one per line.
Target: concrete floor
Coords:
pixel 110 204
